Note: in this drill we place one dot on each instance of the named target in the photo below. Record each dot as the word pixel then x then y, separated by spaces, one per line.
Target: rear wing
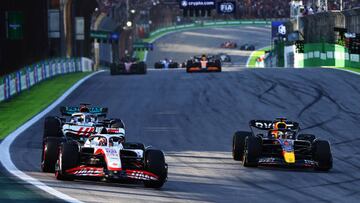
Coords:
pixel 268 125
pixel 69 110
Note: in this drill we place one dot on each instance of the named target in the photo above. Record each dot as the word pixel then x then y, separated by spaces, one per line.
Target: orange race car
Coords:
pixel 203 64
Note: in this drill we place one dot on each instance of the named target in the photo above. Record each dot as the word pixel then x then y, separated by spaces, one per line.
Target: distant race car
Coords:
pixel 166 64
pixel 277 143
pixel 128 66
pixel 223 57
pixel 247 47
pixel 77 123
pixel 203 64
pixel 229 45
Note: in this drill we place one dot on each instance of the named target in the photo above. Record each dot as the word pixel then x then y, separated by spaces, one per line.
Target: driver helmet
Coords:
pixel 278 130
pixel 102 141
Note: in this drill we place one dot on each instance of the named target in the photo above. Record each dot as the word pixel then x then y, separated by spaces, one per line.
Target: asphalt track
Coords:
pixel 192 117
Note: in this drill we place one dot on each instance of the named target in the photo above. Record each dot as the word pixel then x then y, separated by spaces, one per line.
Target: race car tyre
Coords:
pixel 174 65
pixel 307 137
pixel 142 67
pixel 49 154
pixel 117 123
pixel 252 151
pixel 155 163
pixel 238 145
pixel 158 65
pixel 112 69
pixel 322 155
pixel 52 127
pixel 68 158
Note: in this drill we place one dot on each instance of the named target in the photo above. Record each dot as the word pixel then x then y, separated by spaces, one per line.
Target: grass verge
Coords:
pixel 24 106
pixel 256 54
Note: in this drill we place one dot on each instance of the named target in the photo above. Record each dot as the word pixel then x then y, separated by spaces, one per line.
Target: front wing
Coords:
pixel 87 171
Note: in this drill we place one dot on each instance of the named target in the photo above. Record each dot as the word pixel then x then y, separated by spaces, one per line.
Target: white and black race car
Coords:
pixel 107 156
pixel 166 64
pixel 78 124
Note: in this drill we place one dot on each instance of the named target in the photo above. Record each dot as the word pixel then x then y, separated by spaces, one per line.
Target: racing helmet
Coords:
pixel 278 131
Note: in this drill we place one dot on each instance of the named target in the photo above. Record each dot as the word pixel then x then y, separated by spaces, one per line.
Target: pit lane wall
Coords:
pixel 13 84
pixel 321 54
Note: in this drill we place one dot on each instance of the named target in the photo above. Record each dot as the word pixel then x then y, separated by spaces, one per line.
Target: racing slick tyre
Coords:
pixel 174 65
pixel 322 155
pixel 306 137
pixel 252 151
pixel 68 158
pixel 142 67
pixel 117 123
pixel 49 154
pixel 238 144
pixel 52 127
pixel 155 163
pixel 158 65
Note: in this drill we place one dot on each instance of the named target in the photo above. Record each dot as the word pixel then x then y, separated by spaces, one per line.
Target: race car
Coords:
pixel 225 58
pixel 228 45
pixel 166 64
pixel 83 122
pixel 247 47
pixel 203 64
pixel 128 66
pixel 278 143
pixel 106 155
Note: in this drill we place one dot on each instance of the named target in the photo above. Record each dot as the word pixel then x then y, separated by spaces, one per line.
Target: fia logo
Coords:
pixel 227 7
pixel 282 30
pixel 184 3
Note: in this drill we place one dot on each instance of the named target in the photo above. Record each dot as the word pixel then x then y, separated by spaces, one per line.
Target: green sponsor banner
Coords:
pixel 99 34
pixel 14 25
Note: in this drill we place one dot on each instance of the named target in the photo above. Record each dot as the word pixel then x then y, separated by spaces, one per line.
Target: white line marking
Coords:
pixel 5 157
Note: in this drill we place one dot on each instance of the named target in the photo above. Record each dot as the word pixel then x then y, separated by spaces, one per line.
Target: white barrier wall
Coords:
pixel 25 78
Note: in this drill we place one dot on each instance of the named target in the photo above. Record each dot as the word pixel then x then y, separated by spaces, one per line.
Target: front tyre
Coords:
pixel 238 145
pixel 68 158
pixel 252 151
pixel 155 163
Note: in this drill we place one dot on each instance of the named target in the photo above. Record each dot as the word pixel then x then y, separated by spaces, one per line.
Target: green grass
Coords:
pixel 24 106
pixel 256 54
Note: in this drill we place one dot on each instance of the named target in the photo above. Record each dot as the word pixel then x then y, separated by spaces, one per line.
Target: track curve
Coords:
pixel 192 118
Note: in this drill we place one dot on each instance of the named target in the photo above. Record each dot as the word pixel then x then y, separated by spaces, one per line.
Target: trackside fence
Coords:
pixel 14 83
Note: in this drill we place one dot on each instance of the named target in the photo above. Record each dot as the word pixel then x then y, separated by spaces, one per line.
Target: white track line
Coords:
pixel 5 157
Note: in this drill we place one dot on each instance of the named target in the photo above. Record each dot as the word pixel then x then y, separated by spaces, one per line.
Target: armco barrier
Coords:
pixel 25 78
pixel 321 54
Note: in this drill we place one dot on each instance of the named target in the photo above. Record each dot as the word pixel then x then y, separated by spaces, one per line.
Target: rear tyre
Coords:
pixel 155 163
pixel 322 155
pixel 238 145
pixel 68 158
pixel 142 67
pixel 252 151
pixel 49 154
pixel 52 127
pixel 117 123
pixel 158 65
pixel 307 137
